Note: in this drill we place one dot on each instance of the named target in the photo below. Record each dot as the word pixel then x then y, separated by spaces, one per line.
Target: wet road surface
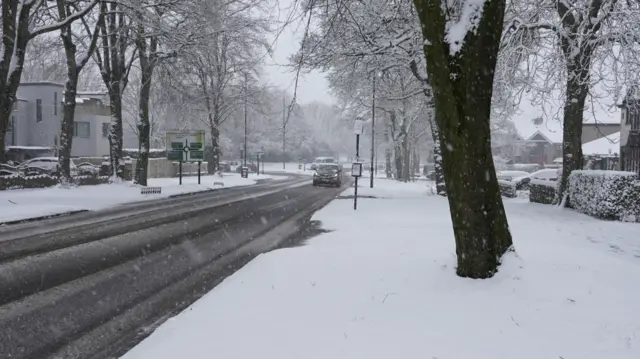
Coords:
pixel 94 284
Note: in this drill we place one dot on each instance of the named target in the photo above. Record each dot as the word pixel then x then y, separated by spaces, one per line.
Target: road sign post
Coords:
pixel 185 146
pixel 358 128
pixel 199 165
pixel 259 155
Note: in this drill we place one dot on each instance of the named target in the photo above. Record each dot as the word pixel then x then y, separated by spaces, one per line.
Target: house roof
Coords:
pixel 603 146
pixel 42 83
pixel 601 112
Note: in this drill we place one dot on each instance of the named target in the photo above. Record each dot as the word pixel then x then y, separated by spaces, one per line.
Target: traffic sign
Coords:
pixel 185 146
pixel 358 126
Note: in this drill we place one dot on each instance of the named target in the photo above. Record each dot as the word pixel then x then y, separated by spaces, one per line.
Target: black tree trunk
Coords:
pixel 462 83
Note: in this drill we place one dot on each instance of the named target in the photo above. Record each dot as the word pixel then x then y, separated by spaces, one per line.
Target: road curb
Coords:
pixel 40 218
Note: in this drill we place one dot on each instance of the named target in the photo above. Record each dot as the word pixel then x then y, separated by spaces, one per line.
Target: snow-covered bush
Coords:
pixel 20 181
pixel 90 180
pixel 605 194
pixel 541 191
pixel 507 188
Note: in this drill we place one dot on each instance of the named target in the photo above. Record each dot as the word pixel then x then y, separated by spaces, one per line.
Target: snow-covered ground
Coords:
pixel 382 285
pixel 31 203
pixel 290 167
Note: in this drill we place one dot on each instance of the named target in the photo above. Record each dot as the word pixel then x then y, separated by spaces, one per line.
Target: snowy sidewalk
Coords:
pixel 382 285
pixel 31 203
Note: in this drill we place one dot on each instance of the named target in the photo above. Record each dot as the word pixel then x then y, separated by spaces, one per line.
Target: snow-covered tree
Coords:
pixel 22 21
pixel 76 60
pixel 461 43
pixel 221 71
pixel 568 47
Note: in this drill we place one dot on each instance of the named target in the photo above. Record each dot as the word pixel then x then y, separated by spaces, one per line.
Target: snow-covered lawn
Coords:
pixel 382 285
pixel 30 203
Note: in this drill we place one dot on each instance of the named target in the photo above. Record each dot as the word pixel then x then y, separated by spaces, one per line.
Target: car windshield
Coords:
pixel 327 168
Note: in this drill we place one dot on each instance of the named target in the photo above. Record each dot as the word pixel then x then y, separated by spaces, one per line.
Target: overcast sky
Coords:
pixel 312 86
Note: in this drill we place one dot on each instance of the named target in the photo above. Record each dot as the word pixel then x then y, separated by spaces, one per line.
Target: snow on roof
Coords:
pixel 34 148
pixel 601 110
pixel 150 150
pixel 603 146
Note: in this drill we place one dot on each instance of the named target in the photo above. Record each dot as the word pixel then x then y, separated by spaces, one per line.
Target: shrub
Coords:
pixel 605 194
pixel 91 180
pixel 19 181
pixel 541 191
pixel 507 188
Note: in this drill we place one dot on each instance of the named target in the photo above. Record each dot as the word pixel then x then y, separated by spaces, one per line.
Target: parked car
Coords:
pixel 8 170
pixel 88 169
pixel 44 165
pixel 548 174
pixel 320 160
pixel 510 175
pixel 328 173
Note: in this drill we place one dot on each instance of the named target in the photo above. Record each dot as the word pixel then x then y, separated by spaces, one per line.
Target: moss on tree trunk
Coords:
pixel 462 84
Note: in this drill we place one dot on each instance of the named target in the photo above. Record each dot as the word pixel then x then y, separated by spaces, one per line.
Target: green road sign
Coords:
pixel 185 146
pixel 175 155
pixel 196 155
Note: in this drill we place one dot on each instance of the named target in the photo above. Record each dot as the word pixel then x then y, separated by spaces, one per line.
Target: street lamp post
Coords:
pixel 373 131
pixel 244 160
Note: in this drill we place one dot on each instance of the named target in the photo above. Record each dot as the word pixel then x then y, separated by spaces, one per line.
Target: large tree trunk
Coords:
pixel 397 157
pixel 406 159
pixel 572 134
pixel 146 58
pixel 74 67
pixel 115 136
pixel 114 70
pixel 15 31
pixel 66 131
pixel 578 78
pixel 143 125
pixel 437 159
pixel 462 84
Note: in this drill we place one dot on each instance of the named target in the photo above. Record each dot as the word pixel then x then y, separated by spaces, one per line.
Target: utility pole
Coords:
pixel 244 160
pixel 373 130
pixel 284 133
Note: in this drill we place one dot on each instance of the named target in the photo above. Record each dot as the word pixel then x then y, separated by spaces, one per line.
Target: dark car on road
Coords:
pixel 329 174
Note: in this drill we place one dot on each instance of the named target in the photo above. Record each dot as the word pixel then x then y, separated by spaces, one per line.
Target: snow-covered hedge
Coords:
pixel 605 194
pixel 19 181
pixel 90 180
pixel 44 181
pixel 541 191
pixel 507 188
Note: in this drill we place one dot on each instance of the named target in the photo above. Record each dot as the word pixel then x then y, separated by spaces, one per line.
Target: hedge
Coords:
pixel 507 188
pixel 612 195
pixel 541 191
pixel 44 181
pixel 19 181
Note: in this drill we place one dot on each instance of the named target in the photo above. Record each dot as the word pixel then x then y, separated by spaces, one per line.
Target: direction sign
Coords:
pixel 185 146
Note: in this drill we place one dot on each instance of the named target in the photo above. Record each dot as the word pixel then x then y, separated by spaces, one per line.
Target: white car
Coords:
pixel 45 165
pixel 510 175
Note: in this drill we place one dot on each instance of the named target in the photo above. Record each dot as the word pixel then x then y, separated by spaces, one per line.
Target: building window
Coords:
pixel 11 124
pixel 81 129
pixel 106 126
pixel 55 104
pixel 38 110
